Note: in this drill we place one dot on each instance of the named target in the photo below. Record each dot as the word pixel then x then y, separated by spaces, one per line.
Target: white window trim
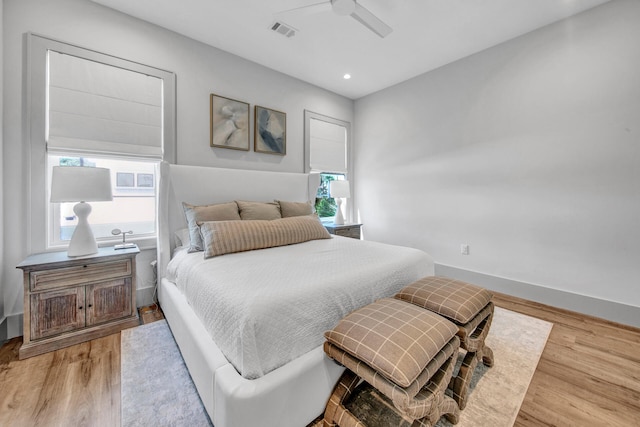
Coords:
pixel 308 116
pixel 35 129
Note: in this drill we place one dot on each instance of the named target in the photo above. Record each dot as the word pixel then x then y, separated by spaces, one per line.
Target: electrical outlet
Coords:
pixel 464 249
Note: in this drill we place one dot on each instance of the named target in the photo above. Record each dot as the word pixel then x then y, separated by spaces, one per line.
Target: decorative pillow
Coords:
pixel 224 237
pixel 395 338
pixel 199 214
pixel 454 299
pixel 289 209
pixel 181 237
pixel 258 210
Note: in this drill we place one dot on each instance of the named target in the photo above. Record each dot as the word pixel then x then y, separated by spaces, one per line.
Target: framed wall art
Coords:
pixel 229 123
pixel 270 129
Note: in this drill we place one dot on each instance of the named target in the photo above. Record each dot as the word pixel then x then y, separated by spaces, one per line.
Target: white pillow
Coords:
pixel 181 237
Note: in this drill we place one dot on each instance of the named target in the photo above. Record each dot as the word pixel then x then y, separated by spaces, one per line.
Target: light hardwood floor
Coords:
pixel 588 375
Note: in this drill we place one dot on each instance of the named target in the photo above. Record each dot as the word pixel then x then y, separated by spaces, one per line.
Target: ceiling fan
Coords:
pixel 346 7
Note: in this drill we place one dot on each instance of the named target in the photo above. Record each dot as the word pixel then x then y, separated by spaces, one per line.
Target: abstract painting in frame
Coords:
pixel 229 123
pixel 270 129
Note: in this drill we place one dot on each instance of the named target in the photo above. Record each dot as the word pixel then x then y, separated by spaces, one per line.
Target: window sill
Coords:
pixel 144 243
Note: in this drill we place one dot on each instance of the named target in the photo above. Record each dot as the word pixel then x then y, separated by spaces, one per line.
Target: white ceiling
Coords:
pixel 426 34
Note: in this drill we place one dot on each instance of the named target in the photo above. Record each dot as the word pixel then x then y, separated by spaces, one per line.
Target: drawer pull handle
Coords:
pixel 80 308
pixel 84 266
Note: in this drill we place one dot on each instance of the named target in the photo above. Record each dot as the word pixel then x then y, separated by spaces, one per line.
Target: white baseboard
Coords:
pixel 11 326
pixel 145 296
pixel 3 330
pixel 609 310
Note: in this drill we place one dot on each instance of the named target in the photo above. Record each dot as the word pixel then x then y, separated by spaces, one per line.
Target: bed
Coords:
pixel 240 378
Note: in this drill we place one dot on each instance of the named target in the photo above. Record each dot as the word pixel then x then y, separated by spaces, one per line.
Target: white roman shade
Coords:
pixel 327 146
pixel 94 108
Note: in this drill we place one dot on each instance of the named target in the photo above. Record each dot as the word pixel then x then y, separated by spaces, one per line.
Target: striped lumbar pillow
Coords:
pixel 224 237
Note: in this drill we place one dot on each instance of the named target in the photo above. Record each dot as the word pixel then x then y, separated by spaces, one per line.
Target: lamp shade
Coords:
pixel 80 184
pixel 339 189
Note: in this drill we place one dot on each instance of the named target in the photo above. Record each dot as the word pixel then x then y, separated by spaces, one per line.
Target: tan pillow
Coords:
pixel 224 237
pixel 454 299
pixel 395 338
pixel 289 209
pixel 199 214
pixel 258 210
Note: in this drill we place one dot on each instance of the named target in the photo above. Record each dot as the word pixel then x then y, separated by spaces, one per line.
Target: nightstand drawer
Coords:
pixel 353 232
pixel 344 230
pixel 79 274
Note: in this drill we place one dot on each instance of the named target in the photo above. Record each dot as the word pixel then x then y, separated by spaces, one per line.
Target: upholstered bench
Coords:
pixel 470 308
pixel 405 352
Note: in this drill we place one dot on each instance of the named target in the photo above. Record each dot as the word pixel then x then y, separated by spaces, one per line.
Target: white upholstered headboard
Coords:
pixel 206 185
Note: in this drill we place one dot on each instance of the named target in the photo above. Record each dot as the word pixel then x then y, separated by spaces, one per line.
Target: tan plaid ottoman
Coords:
pixel 405 352
pixel 470 308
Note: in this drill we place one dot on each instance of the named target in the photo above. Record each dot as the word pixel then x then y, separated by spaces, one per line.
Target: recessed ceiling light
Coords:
pixel 347 76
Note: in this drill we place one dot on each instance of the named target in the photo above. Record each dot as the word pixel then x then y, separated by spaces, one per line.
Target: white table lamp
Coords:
pixel 81 184
pixel 339 190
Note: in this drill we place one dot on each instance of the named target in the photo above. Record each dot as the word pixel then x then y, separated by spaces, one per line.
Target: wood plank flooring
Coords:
pixel 588 375
pixel 589 372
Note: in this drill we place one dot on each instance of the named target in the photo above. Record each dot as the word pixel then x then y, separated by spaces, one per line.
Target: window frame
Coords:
pixel 308 116
pixel 35 134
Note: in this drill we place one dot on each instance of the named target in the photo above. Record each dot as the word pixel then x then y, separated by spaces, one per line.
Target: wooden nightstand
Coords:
pixel 346 230
pixel 71 300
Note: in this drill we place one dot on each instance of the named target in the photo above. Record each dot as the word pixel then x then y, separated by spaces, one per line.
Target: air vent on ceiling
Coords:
pixel 284 29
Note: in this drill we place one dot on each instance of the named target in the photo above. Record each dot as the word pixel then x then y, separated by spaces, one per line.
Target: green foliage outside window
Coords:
pixel 326 206
pixel 76 161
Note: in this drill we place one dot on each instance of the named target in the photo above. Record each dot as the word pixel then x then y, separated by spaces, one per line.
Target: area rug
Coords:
pixel 496 393
pixel 157 389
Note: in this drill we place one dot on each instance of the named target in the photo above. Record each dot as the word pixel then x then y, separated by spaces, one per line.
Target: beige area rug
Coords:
pixel 157 389
pixel 497 393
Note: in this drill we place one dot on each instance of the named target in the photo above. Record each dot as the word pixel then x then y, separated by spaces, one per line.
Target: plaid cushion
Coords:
pixel 395 338
pixel 453 299
pixel 224 237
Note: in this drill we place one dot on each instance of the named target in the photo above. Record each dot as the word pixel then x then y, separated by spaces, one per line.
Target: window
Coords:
pixel 326 152
pixel 325 205
pixel 96 110
pixel 145 180
pixel 125 179
pixel 133 207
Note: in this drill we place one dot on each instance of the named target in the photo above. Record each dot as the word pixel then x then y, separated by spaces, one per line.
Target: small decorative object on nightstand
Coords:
pixel 346 230
pixel 71 300
pixel 124 244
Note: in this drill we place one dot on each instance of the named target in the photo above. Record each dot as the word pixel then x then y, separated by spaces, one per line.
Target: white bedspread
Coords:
pixel 266 307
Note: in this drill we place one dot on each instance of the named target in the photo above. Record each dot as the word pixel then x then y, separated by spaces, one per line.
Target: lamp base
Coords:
pixel 82 241
pixel 339 218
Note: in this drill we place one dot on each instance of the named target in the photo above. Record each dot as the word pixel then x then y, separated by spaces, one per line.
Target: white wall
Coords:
pixel 529 152
pixel 200 70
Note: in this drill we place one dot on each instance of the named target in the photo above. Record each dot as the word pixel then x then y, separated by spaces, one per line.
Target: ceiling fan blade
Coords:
pixel 310 9
pixel 371 21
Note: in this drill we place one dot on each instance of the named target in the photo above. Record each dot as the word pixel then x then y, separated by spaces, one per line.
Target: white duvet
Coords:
pixel 266 307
